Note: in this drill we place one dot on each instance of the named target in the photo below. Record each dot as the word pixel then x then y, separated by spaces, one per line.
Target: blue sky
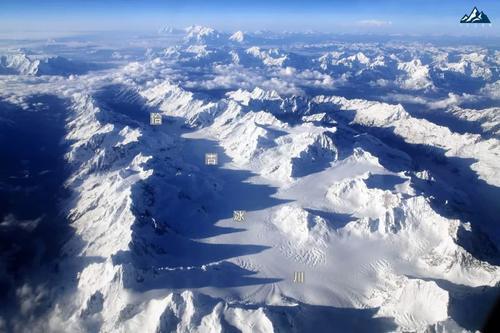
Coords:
pixel 352 16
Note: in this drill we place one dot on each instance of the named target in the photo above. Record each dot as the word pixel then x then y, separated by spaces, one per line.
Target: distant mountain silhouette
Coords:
pixel 475 16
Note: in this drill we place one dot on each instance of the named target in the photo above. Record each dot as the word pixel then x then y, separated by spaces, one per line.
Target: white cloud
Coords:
pixel 236 76
pixel 405 98
pixel 374 23
pixel 282 87
pixel 492 90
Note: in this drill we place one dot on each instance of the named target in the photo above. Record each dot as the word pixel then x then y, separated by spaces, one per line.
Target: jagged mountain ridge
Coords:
pixel 288 249
pixel 23 64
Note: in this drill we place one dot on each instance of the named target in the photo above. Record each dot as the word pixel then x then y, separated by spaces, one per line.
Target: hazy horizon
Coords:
pixel 359 17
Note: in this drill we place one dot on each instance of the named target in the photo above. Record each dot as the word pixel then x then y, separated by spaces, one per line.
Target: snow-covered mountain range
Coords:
pixel 370 168
pixel 22 64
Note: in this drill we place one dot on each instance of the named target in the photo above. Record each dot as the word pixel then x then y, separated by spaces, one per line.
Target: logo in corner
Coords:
pixel 475 16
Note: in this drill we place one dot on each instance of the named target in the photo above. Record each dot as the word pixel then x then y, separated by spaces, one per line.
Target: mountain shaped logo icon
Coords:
pixel 475 16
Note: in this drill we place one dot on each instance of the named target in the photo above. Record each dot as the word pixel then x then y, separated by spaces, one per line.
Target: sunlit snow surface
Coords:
pixel 370 165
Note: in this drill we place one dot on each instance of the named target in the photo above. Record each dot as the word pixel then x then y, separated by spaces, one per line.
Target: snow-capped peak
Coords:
pixel 169 30
pixel 201 34
pixel 257 94
pixel 238 36
pixel 360 57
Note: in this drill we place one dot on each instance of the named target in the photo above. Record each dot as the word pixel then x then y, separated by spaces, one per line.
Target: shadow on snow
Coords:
pixel 181 203
pixel 33 223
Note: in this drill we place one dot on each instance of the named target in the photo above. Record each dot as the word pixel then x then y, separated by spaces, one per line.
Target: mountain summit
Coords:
pixel 475 16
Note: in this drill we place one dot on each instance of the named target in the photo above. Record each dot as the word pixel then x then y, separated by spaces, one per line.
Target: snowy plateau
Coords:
pixel 369 167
